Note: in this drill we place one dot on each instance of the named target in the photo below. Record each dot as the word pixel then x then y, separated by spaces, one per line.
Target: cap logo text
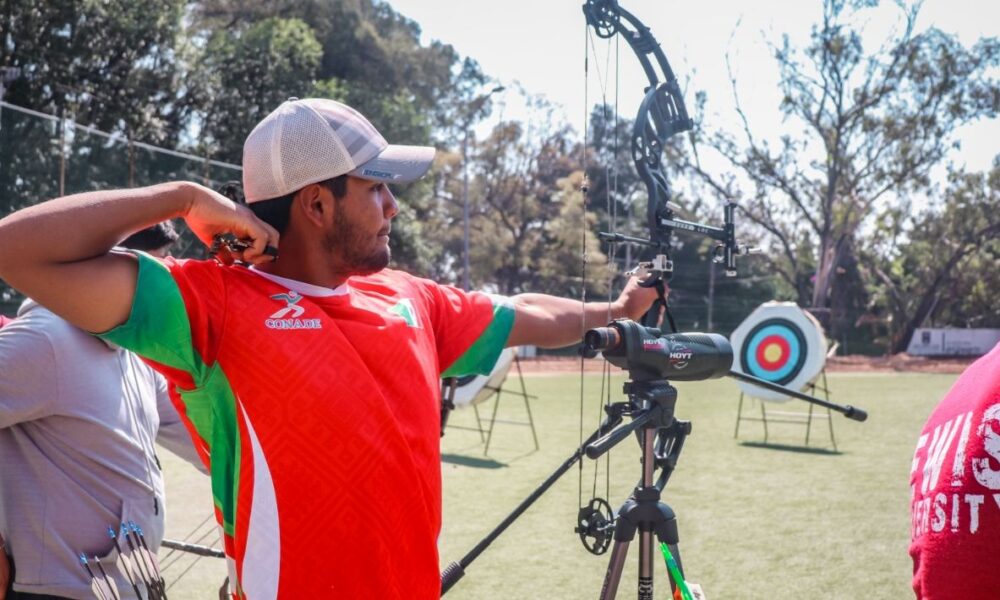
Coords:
pixel 379 174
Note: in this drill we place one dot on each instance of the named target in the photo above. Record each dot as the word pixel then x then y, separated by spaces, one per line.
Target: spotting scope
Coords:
pixel 648 354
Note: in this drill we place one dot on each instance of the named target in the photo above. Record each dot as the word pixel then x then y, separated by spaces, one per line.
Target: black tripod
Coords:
pixel 661 437
pixel 651 358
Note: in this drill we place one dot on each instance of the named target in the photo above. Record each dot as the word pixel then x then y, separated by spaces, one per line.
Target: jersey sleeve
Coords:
pixel 470 328
pixel 176 318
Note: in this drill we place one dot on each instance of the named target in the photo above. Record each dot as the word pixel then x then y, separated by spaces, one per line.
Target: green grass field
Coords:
pixel 755 521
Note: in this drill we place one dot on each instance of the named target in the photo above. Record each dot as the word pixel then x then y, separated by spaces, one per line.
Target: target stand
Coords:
pixel 473 390
pixel 781 343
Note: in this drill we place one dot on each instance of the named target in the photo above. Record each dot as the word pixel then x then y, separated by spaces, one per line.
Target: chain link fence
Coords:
pixel 44 157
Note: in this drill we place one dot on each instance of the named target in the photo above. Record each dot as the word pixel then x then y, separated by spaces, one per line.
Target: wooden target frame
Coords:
pixel 781 343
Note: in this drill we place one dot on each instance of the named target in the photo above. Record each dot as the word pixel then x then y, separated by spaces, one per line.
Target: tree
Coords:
pixel 863 127
pixel 525 202
pixel 939 263
pixel 370 58
pixel 106 64
pixel 246 73
pixel 109 65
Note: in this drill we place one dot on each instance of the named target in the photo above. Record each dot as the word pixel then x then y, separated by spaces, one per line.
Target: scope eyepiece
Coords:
pixel 602 338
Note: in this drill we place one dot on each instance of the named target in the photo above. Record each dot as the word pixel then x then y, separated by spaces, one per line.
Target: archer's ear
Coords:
pixel 314 203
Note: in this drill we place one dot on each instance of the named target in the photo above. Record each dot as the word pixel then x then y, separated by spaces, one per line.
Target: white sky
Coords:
pixel 540 43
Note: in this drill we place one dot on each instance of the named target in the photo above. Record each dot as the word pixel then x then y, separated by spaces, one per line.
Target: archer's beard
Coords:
pixel 358 254
pixel 372 263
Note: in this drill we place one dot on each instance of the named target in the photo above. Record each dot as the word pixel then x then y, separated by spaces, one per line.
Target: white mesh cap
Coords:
pixel 312 140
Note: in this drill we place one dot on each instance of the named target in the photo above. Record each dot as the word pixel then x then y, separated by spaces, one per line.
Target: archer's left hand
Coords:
pixel 635 300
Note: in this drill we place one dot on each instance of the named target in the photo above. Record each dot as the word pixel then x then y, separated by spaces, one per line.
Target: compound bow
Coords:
pixel 661 115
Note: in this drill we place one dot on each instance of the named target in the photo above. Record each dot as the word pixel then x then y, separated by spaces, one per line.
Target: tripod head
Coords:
pixel 649 355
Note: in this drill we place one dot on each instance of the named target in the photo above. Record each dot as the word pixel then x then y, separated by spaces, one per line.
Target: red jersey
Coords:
pixel 955 483
pixel 317 411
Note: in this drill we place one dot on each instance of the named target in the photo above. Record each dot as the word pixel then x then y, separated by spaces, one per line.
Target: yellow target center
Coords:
pixel 772 352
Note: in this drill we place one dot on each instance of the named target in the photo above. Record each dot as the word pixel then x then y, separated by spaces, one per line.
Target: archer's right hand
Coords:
pixel 210 213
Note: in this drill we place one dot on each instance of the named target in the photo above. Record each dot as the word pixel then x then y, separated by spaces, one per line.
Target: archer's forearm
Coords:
pixel 57 252
pixel 83 226
pixel 553 322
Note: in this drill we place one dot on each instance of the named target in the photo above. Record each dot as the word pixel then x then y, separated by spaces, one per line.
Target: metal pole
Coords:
pixel 465 182
pixel 465 208
pixel 131 163
pixel 711 293
pixel 62 151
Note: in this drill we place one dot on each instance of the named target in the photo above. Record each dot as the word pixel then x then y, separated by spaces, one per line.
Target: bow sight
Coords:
pixel 662 225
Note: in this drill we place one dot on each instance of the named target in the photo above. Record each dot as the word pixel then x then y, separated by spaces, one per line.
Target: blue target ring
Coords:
pixel 775 351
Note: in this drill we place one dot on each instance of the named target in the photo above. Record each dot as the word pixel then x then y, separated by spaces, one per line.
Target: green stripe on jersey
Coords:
pixel 212 408
pixel 158 328
pixel 483 354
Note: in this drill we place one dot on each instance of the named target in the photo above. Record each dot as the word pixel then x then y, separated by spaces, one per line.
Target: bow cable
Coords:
pixel 611 210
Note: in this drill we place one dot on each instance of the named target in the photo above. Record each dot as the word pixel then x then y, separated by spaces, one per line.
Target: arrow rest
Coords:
pixel 647 271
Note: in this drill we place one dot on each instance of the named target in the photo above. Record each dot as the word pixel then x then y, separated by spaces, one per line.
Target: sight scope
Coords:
pixel 647 354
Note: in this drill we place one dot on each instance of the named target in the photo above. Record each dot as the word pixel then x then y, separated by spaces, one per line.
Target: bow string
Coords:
pixel 661 115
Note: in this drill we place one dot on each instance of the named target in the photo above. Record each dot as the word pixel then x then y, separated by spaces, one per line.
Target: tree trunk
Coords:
pixel 832 252
pixel 927 302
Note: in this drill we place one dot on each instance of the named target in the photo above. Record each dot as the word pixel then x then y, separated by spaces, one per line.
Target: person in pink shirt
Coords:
pixel 955 490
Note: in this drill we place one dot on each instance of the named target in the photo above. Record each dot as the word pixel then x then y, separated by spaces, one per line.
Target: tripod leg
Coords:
pixel 646 556
pixel 666 533
pixel 614 575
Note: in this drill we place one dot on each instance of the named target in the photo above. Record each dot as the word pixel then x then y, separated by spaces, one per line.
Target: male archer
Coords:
pixel 312 378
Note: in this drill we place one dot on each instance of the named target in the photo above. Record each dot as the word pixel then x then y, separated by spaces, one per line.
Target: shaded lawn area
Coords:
pixel 756 521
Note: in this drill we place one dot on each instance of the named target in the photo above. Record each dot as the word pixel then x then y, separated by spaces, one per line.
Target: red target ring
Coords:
pixel 773 352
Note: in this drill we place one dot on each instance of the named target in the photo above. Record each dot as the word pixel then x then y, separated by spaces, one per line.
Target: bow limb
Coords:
pixel 662 114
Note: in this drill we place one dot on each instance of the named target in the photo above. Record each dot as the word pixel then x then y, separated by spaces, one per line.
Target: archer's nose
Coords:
pixel 389 206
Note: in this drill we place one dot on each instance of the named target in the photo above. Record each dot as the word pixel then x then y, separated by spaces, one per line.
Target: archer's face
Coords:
pixel 359 237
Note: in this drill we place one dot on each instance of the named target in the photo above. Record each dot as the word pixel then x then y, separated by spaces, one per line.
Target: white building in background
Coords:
pixel 953 342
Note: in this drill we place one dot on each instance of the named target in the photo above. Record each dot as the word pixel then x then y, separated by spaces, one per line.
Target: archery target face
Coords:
pixel 780 343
